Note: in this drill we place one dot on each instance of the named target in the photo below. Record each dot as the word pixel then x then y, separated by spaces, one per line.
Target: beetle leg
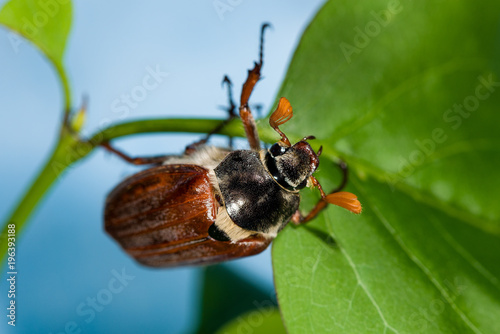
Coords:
pixel 190 149
pixel 298 218
pixel 231 114
pixel 345 173
pixel 232 105
pixel 245 112
pixel 231 108
pixel 158 160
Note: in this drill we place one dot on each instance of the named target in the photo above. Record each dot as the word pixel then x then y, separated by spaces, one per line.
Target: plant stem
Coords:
pixel 42 183
pixel 174 125
pixel 71 149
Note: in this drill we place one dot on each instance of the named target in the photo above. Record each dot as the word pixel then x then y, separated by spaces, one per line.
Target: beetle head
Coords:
pixel 291 166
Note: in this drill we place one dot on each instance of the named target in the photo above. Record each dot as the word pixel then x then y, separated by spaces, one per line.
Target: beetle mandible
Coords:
pixel 212 204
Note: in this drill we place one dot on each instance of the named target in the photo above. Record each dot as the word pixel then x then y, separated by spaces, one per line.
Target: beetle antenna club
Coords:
pixel 343 199
pixel 280 116
pixel 283 114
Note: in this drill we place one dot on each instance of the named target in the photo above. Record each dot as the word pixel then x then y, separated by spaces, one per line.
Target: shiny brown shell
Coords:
pixel 161 217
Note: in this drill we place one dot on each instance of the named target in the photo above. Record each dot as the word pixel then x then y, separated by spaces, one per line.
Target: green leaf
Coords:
pixel 226 296
pixel 261 321
pixel 46 23
pixel 407 93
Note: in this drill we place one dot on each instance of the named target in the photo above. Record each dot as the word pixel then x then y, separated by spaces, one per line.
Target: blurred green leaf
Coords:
pixel 226 296
pixel 46 23
pixel 256 322
pixel 407 93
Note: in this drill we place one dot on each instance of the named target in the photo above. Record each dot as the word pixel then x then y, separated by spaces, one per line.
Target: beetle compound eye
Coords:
pixel 277 150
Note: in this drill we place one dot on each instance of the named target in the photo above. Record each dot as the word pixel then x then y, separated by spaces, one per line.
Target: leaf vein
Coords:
pixel 419 263
pixel 403 87
pixel 367 292
pixel 465 254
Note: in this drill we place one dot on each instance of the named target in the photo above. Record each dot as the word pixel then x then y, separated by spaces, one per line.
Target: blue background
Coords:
pixel 64 257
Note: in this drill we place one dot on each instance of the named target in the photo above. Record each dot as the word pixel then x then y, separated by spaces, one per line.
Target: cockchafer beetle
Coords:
pixel 211 204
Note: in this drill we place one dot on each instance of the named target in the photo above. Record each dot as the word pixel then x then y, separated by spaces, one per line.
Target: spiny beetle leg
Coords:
pixel 245 112
pixel 190 149
pixel 298 218
pixel 157 160
pixel 231 106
